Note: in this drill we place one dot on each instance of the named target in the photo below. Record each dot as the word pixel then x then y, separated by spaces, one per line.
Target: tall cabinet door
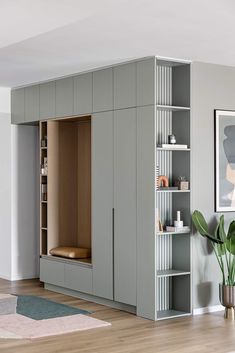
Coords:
pixel 125 206
pixel 102 204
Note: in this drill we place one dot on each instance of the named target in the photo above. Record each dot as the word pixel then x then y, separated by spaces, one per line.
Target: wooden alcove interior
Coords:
pixel 69 183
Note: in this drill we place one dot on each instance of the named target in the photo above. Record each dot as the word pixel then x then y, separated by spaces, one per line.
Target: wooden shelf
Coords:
pixel 171 273
pixel 160 149
pixel 170 314
pixel 43 201
pixel 171 107
pixel 43 148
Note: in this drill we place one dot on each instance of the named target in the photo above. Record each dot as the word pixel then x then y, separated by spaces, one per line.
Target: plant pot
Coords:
pixel 227 299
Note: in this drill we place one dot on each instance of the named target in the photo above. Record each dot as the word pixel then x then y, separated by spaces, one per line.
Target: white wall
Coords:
pixel 19 224
pixel 25 198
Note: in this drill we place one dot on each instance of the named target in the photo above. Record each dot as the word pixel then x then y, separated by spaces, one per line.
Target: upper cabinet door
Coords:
pixel 17 106
pixel 125 86
pixel 125 198
pixel 83 94
pixel 103 90
pixel 64 97
pixel 102 204
pixel 145 82
pixel 47 100
pixel 32 103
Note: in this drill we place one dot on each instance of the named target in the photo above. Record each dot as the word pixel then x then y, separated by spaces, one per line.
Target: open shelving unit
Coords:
pixel 173 249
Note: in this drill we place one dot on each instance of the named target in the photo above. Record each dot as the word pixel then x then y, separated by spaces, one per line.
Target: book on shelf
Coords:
pixel 183 229
pixel 172 146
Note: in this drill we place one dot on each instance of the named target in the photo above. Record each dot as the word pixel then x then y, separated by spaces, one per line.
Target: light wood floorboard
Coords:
pixel 128 333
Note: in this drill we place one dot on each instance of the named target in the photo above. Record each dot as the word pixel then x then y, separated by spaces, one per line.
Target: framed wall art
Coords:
pixel 224 160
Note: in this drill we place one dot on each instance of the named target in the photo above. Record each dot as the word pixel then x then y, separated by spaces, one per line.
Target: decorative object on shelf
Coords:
pixel 171 139
pixel 44 168
pixel 224 160
pixel 178 223
pixel 44 192
pixel 44 142
pixel 157 177
pixel 172 146
pixel 224 248
pixel 182 183
pixel 159 227
pixel 163 181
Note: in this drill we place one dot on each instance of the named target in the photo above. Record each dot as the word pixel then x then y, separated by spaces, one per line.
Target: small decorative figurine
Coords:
pixel 171 139
pixel 178 223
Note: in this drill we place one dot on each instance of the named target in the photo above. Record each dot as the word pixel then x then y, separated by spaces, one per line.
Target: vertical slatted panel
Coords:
pixel 164 200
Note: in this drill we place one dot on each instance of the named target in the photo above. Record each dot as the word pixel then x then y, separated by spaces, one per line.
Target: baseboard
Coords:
pixel 8 278
pixel 208 309
pixel 92 298
pixel 19 277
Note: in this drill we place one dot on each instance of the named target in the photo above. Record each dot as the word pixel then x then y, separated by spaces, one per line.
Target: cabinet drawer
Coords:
pixel 52 272
pixel 78 278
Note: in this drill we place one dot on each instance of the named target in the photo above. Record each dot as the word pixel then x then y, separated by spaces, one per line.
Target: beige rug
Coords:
pixel 17 326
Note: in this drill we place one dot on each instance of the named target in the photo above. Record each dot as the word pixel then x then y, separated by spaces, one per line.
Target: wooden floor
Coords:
pixel 128 333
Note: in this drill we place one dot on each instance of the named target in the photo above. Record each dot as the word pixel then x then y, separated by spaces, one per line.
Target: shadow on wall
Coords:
pixel 204 293
pixel 25 201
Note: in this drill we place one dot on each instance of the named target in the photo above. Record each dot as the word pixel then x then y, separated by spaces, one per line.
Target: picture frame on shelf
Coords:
pixel 224 146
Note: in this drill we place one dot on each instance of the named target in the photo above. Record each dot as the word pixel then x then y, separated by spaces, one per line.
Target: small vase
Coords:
pixel 227 299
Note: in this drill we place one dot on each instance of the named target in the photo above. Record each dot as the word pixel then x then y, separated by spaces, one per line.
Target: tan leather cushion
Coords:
pixel 71 252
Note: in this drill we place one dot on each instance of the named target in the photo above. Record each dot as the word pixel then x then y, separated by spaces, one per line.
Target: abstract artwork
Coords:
pixel 224 160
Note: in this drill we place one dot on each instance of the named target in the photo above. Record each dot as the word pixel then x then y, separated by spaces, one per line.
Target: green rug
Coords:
pixel 38 308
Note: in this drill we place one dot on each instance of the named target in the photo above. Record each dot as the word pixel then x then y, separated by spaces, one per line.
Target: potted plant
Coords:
pixel 224 248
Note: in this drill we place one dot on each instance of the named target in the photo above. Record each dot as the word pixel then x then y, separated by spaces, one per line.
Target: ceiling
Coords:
pixel 44 39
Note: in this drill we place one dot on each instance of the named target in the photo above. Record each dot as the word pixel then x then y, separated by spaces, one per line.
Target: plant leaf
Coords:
pixel 222 234
pixel 221 248
pixel 200 223
pixel 231 230
pixel 202 227
pixel 230 245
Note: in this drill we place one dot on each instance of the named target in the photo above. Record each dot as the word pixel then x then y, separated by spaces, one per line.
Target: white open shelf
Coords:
pixel 170 314
pixel 171 107
pixel 171 273
pixel 169 190
pixel 172 233
pixel 173 149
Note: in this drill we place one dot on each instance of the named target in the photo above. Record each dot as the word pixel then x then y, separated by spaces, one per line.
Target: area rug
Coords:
pixel 38 308
pixel 19 326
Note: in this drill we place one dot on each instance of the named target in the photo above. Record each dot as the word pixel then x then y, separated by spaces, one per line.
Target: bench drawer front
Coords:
pixel 78 278
pixel 52 272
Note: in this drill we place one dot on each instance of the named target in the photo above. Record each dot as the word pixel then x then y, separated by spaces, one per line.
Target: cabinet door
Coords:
pixel 125 86
pixel 145 82
pixel 78 278
pixel 17 106
pixel 102 204
pixel 64 97
pixel 103 90
pixel 47 100
pixel 32 103
pixel 52 272
pixel 83 94
pixel 125 206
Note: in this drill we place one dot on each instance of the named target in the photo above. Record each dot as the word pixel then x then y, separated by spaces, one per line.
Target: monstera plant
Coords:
pixel 224 248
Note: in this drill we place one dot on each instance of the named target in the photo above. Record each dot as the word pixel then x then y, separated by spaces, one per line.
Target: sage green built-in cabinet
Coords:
pixel 131 109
